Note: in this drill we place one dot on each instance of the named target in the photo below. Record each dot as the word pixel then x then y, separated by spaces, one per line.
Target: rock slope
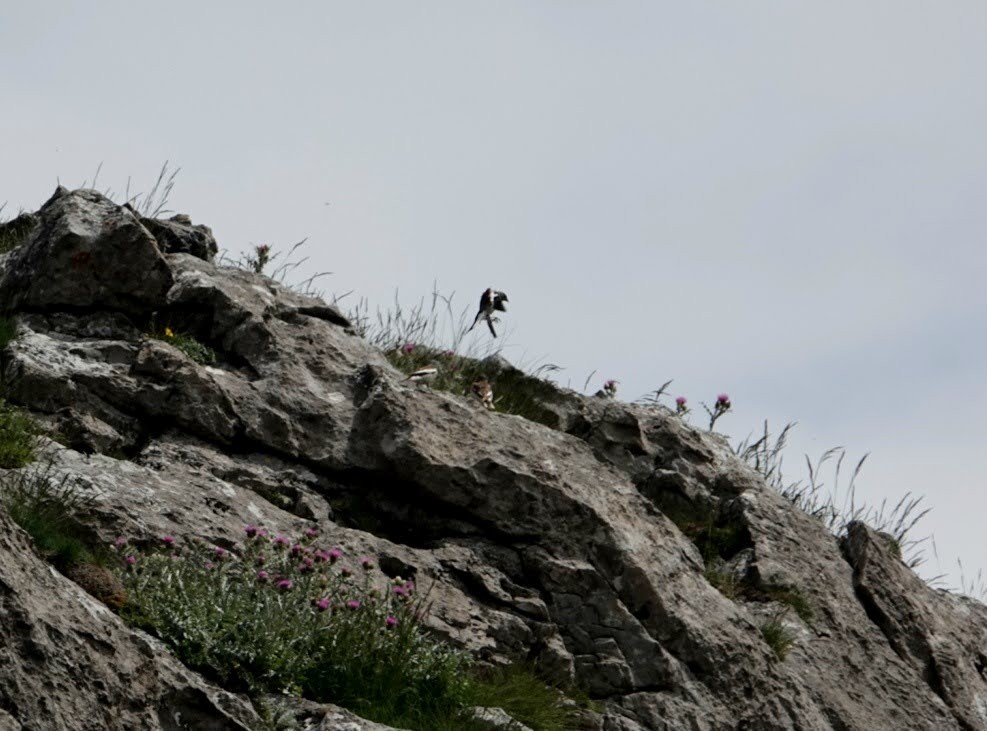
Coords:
pixel 583 548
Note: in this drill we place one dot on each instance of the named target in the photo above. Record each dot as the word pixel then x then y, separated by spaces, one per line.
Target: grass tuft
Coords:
pixel 838 506
pixel 15 232
pixel 19 435
pixel 46 505
pixel 523 696
pixel 778 636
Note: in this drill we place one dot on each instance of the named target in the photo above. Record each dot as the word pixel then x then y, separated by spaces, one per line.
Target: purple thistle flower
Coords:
pixel 391 621
pixel 346 571
pixel 120 542
pixel 285 585
pixel 250 529
pixel 130 560
pixel 168 541
pixel 400 591
pixel 281 542
pixel 367 563
pixel 261 559
pixel 723 401
pixel 353 604
pixel 263 576
pixel 334 555
pixel 311 532
pixel 296 549
pixel 407 348
pixel 681 401
pixel 220 553
pixel 323 604
pixel 306 565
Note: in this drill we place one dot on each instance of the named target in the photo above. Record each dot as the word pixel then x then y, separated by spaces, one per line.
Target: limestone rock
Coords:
pixel 85 253
pixel 612 545
pixel 177 235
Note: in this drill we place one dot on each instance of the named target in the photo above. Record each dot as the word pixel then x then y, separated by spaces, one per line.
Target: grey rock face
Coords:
pixel 177 235
pixel 622 551
pixel 85 253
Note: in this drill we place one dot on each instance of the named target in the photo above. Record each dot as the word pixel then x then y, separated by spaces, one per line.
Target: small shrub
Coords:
pixel 289 616
pixel 201 354
pixel 779 638
pixel 46 505
pixel 18 437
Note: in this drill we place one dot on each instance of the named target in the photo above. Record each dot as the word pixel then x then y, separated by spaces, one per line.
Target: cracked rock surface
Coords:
pixel 572 547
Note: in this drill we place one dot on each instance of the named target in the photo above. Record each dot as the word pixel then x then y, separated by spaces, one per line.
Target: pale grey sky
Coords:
pixel 784 201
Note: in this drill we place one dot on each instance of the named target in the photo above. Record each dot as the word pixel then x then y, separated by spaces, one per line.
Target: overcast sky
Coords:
pixel 783 201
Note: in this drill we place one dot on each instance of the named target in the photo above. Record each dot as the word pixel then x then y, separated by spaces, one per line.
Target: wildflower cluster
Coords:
pixel 282 613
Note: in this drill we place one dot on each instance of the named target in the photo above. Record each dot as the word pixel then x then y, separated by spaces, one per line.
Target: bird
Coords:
pixel 490 300
pixel 484 392
pixel 423 375
pixel 609 389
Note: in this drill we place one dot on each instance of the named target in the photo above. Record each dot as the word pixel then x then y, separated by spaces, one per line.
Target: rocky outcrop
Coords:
pixel 593 544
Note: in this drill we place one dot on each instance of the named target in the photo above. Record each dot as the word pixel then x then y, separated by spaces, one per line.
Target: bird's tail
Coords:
pixel 490 325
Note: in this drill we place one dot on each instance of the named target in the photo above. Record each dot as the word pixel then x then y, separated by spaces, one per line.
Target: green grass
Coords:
pixel 835 503
pixel 18 437
pixel 522 694
pixel 200 353
pixel 47 505
pixel 791 597
pixel 515 392
pixel 15 232
pixel 779 638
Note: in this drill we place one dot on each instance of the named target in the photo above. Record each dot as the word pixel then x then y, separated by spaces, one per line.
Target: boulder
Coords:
pixel 86 253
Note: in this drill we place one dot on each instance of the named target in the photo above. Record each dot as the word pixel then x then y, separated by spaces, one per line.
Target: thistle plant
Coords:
pixel 259 259
pixel 681 406
pixel 281 614
pixel 721 407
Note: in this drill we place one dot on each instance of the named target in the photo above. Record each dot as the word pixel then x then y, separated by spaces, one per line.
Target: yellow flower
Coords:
pixel 169 333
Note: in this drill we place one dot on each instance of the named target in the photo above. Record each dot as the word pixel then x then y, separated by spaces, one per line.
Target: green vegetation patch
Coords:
pixel 515 392
pixel 47 505
pixel 779 637
pixel 523 696
pixel 200 353
pixel 287 615
pixel 15 232
pixel 8 331
pixel 18 437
